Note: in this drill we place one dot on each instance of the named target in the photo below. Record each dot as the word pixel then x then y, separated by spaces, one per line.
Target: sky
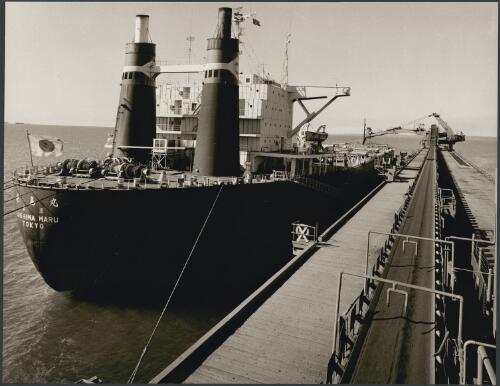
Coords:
pixel 403 61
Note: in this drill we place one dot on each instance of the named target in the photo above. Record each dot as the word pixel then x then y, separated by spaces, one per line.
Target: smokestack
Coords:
pixel 136 116
pixel 224 24
pixel 141 28
pixel 217 140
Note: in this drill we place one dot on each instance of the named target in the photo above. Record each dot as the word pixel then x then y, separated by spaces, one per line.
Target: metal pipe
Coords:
pixel 403 235
pixel 407 285
pixel 488 293
pixel 472 248
pixel 224 23
pixel 463 370
pixel 481 352
pixel 337 306
pixel 473 240
pixel 470 239
pixel 141 29
pixel 442 343
pixel 479 378
pixel 366 264
pixel 473 271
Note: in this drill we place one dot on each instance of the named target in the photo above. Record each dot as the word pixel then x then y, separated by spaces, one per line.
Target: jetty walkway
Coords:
pixel 387 294
pixel 288 337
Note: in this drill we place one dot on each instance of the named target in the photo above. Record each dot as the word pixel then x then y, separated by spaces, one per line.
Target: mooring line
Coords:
pixel 134 373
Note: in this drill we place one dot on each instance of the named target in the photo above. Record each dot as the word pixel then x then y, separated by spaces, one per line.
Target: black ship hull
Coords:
pixel 139 239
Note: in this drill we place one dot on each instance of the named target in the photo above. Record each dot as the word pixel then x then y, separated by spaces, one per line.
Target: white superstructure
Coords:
pixel 266 112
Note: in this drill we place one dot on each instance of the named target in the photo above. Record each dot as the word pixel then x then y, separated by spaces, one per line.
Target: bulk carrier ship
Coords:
pixel 212 170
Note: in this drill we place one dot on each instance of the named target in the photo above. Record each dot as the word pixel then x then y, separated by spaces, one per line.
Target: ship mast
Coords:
pixel 284 81
pixel 190 42
pixel 238 19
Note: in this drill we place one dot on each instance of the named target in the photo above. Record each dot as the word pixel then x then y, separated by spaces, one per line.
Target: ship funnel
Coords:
pixel 136 117
pixel 217 139
pixel 224 24
pixel 141 28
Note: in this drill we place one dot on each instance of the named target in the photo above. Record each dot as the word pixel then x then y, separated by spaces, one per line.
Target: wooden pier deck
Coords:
pixel 477 190
pixel 288 339
pixel 400 343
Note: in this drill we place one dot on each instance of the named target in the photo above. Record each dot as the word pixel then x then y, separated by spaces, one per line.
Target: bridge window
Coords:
pixel 242 106
pixel 209 73
pixel 206 73
pixel 216 73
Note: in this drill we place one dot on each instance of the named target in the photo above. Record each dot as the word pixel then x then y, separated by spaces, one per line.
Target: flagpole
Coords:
pixel 29 144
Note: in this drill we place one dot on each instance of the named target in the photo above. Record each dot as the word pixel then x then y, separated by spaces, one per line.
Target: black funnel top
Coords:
pixel 217 138
pixel 224 24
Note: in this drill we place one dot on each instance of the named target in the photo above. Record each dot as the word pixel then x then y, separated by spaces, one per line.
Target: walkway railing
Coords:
pixel 342 344
pixel 483 362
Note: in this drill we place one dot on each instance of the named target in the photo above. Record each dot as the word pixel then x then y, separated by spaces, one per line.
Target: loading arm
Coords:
pixel 345 91
pixel 451 137
pixel 444 125
pixel 369 133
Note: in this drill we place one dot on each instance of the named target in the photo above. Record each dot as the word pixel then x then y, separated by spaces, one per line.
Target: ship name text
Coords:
pixel 36 222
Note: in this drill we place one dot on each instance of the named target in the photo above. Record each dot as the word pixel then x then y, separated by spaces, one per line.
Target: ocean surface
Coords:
pixel 51 337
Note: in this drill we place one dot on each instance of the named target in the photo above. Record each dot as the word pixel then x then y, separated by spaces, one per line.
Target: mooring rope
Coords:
pixel 8 187
pixel 134 373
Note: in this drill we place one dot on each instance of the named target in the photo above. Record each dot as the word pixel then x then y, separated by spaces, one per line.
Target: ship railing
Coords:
pixel 483 362
pixel 38 176
pixel 183 181
pixel 28 172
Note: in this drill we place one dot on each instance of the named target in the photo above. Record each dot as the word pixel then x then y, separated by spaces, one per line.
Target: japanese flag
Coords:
pixel 44 146
pixel 109 142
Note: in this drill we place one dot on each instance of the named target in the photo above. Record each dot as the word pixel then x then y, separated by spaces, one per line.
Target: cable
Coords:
pixel 134 373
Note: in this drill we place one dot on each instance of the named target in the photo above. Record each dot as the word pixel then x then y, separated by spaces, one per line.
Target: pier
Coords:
pixel 376 299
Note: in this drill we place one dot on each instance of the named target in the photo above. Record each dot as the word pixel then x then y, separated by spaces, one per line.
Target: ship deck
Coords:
pixel 44 178
pixel 288 339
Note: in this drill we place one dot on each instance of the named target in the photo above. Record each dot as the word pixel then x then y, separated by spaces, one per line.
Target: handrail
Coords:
pixel 463 373
pixel 401 284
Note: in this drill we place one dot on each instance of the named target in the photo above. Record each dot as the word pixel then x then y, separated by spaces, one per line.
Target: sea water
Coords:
pixel 55 337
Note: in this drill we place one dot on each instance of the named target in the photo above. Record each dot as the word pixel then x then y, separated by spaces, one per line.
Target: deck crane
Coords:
pixel 312 141
pixel 299 96
pixel 449 137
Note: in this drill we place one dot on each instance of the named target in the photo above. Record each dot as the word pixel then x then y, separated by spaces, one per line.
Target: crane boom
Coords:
pixel 450 138
pixel 444 125
pixel 369 133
